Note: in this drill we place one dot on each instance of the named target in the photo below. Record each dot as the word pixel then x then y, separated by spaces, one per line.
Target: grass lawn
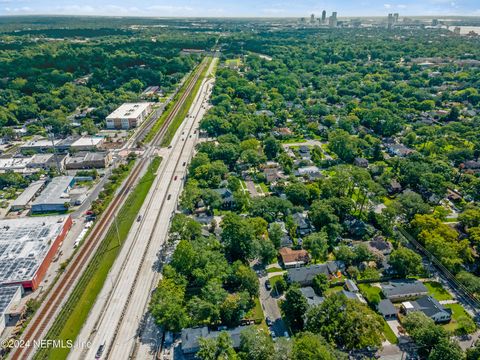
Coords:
pixel 457 312
pixel 264 188
pixel 293 140
pixel 275 279
pixel 436 290
pixel 234 62
pixel 333 290
pixel 274 269
pixel 388 332
pixel 75 311
pixel 369 291
pixel 256 313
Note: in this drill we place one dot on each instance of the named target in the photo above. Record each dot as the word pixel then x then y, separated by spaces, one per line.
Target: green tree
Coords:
pixel 297 193
pixel 347 323
pixel 294 307
pixel 271 147
pixel 238 237
pixel 310 346
pixel 220 348
pixel 317 244
pixel 406 262
pixel 243 278
pixel 447 350
pixel 167 306
pixel 424 332
pixel 320 284
pixel 255 345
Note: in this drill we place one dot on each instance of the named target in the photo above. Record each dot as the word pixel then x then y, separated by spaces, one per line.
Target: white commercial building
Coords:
pixel 55 196
pixel 87 143
pixel 128 115
pixel 22 201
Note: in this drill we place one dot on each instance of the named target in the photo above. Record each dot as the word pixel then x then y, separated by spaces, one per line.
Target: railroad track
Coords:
pixel 60 291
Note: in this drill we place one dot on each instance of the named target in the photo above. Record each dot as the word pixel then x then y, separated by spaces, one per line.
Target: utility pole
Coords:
pixel 51 136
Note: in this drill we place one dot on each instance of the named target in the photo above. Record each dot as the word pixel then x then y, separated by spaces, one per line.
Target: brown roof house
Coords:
pixel 293 258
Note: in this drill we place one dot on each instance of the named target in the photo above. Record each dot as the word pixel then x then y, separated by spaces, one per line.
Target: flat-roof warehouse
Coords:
pixel 27 195
pixel 27 247
pixel 55 195
pixel 128 115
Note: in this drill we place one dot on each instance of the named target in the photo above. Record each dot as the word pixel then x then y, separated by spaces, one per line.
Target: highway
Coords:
pixel 118 313
pixel 61 290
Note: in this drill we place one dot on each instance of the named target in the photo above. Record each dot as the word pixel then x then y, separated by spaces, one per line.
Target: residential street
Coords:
pixel 271 309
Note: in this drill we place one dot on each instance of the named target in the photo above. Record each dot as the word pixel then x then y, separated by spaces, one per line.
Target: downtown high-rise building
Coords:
pixel 332 20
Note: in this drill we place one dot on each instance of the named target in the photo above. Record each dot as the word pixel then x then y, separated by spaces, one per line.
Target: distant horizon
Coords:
pixel 440 17
pixel 243 9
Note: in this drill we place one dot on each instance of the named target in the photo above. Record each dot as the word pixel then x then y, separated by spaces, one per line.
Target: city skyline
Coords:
pixel 247 8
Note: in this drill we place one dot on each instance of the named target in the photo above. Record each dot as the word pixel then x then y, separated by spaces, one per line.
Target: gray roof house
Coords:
pixel 303 224
pixel 227 197
pixel 304 275
pixel 430 307
pixel 351 286
pixel 312 298
pixel 386 309
pixel 403 290
pixel 354 296
pixel 190 337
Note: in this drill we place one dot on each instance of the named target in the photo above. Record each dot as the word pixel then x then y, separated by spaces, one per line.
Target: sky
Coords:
pixel 239 8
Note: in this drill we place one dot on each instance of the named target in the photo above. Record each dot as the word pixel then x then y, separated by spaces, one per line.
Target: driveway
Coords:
pixel 271 309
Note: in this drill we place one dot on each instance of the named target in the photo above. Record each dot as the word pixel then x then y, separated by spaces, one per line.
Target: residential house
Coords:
pixel 227 197
pixel 430 307
pixel 190 337
pixel 471 166
pixel 399 150
pixel 453 195
pixel 403 289
pixel 351 286
pixel 264 112
pixel 381 245
pixel 293 258
pixel 271 171
pixel 386 309
pixel 361 162
pixel 285 241
pixel 354 296
pixel 394 187
pixel 358 228
pixel 303 224
pixel 311 172
pixel 282 132
pixel 312 298
pixel 304 152
pixel 304 275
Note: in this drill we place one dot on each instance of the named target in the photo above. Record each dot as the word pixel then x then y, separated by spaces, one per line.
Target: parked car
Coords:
pixel 268 321
pixel 268 286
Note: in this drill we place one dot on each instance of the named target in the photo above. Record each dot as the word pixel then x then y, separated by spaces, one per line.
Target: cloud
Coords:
pixel 274 11
pixel 387 6
pixel 19 10
pixel 170 8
